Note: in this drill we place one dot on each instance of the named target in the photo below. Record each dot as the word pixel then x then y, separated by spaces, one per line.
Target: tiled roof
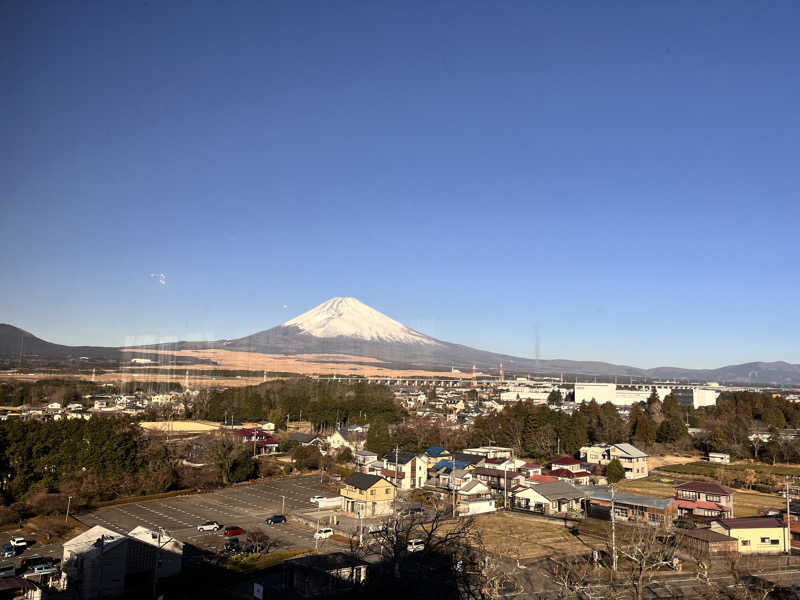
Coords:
pixel 705 534
pixel 751 523
pixel 604 494
pixel 702 504
pixel 363 481
pixel 558 490
pixel 541 478
pixel 402 457
pixel 707 487
pixel 496 473
pixel 565 460
pixel 631 450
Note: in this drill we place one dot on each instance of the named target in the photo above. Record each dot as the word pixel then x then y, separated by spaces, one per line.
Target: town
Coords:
pixel 337 504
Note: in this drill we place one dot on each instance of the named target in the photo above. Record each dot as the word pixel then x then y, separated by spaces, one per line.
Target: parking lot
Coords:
pixel 246 506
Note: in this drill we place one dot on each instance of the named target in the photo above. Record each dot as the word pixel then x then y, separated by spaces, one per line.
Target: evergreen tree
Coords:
pixel 615 471
pixel 555 398
pixel 719 442
pixel 378 439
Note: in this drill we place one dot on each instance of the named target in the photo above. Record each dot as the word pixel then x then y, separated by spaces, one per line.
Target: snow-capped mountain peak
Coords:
pixel 349 317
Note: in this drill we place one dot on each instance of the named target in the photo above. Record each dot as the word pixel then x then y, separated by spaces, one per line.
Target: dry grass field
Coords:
pixel 522 538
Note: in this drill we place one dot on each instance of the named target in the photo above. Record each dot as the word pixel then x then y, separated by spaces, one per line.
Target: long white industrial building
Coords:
pixel 626 395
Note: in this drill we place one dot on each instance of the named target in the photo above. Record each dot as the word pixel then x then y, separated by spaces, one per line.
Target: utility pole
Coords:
pixel 283 505
pixel 69 499
pixel 155 568
pixel 787 542
pixel 396 479
pixel 452 482
pixel 613 533
pixel 360 530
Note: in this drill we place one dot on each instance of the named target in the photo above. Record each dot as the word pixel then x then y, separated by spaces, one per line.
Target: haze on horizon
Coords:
pixel 618 181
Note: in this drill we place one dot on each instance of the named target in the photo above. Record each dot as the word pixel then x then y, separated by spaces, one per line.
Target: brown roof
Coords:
pixel 707 487
pixel 751 523
pixel 495 472
pixel 566 460
pixel 705 535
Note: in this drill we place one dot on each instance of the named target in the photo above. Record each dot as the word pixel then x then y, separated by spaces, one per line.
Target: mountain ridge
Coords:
pixel 345 325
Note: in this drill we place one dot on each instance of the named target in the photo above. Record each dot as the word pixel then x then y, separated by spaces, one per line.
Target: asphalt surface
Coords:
pixel 244 506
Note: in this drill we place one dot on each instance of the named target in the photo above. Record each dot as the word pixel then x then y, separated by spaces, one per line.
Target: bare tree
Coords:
pixel 645 550
pixel 258 542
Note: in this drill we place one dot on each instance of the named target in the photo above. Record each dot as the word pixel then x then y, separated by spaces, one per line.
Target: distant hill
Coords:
pixel 348 326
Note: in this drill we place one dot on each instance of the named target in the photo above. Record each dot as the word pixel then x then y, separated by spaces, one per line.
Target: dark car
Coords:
pixel 233 530
pixel 275 519
pixel 232 545
pixel 34 561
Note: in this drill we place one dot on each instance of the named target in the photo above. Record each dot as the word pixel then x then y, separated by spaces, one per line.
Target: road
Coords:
pixel 246 506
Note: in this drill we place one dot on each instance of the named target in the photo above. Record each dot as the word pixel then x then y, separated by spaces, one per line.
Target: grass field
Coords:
pixel 735 469
pixel 522 538
pixel 745 503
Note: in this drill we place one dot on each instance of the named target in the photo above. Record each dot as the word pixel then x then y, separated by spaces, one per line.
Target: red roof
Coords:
pixel 701 504
pixel 566 460
pixel 542 478
pixel 566 473
pixel 494 461
pixel 266 442
pixel 531 466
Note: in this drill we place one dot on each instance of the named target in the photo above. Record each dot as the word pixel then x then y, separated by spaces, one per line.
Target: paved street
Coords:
pixel 245 506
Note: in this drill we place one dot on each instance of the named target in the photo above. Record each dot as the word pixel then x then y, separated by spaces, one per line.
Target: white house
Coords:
pixel 474 498
pixel 633 460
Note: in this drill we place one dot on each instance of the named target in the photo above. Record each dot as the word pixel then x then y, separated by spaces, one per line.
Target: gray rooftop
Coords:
pixel 604 494
pixel 631 450
pixel 558 490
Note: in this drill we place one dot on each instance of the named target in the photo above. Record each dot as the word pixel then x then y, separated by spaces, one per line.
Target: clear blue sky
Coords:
pixel 622 176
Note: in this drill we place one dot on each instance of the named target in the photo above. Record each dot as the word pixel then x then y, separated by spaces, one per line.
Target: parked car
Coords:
pixel 233 530
pixel 275 519
pixel 323 534
pixel 9 551
pixel 209 526
pixel 44 569
pixel 415 545
pixel 18 542
pixel 315 499
pixel 232 545
pixel 31 562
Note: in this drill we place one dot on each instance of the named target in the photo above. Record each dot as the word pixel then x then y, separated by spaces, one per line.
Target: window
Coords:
pixel 774 542
pixel 765 540
pixel 713 498
pixel 372 492
pixel 745 542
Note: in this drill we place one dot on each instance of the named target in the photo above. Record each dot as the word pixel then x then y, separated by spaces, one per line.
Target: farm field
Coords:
pixel 745 503
pixel 523 538
pixel 711 469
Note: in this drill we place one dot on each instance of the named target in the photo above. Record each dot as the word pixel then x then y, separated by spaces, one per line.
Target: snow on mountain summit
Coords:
pixel 349 317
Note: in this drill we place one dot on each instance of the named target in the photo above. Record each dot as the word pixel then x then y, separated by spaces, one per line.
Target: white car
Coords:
pixel 315 499
pixel 18 542
pixel 323 534
pixel 209 526
pixel 415 545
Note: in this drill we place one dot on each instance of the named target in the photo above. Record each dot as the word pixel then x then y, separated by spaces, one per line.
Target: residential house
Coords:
pixel 490 451
pixel 497 479
pixel 342 438
pixel 373 468
pixel 704 543
pixel 261 441
pixel 435 454
pixel 536 479
pixel 367 495
pixel 474 498
pixel 504 464
pixel 633 460
pixel 704 499
pixel 405 469
pixel 569 469
pixel 530 468
pixel 362 458
pixel 557 497
pixel 307 439
pixel 755 535
pixel 630 507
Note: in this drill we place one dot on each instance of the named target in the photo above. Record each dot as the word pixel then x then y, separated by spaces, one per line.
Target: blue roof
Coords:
pixel 435 451
pixel 459 464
